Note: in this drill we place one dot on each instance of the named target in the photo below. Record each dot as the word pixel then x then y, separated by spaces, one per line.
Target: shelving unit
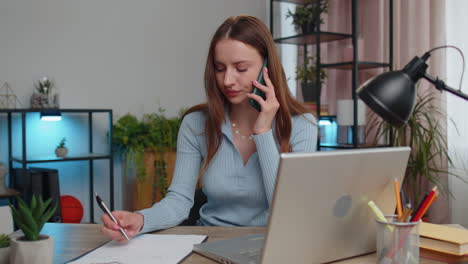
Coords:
pixel 90 156
pixel 320 37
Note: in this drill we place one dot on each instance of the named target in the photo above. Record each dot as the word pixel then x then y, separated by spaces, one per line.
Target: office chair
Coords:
pixel 199 200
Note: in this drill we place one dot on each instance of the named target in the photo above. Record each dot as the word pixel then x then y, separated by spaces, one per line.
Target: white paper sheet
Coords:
pixel 146 248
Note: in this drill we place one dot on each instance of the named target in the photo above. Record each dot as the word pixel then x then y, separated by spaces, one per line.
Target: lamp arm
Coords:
pixel 440 85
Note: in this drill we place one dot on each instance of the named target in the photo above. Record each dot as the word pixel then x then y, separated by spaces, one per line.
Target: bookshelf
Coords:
pixel 90 156
pixel 313 42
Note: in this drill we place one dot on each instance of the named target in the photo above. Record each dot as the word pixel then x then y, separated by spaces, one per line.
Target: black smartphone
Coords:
pixel 257 91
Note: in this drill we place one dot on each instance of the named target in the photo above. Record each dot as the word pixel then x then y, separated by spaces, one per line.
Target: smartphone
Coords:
pixel 257 91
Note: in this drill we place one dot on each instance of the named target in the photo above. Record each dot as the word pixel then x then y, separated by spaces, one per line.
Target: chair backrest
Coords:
pixel 6 220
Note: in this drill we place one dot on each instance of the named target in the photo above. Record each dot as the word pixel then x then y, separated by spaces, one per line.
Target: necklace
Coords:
pixel 236 131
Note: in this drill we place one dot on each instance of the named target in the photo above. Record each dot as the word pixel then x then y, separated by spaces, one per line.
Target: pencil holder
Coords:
pixel 397 242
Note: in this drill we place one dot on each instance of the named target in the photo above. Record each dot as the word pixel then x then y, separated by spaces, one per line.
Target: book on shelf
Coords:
pixel 442 238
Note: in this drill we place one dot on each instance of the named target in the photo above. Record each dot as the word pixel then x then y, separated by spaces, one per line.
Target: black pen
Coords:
pixel 108 212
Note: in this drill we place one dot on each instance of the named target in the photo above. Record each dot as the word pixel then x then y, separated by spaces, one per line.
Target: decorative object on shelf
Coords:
pixel 4 249
pixel 44 97
pixel 149 147
pixel 428 145
pixel 3 173
pixel 72 209
pixel 307 74
pixel 32 247
pixel 61 151
pixel 306 16
pixel 8 99
pixel 345 120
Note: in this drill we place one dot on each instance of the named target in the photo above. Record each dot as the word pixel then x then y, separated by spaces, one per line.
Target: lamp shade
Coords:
pixel 391 95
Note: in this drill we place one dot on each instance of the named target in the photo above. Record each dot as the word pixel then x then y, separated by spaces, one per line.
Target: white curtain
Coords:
pixel 456 21
pixel 419 25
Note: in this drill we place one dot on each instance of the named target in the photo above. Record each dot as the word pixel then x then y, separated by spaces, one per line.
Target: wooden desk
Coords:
pixel 10 192
pixel 72 240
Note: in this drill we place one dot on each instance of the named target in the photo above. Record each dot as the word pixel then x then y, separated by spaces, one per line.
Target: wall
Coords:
pixel 129 56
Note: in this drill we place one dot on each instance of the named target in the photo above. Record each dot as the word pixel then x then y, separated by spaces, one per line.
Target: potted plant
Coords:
pixel 162 133
pixel 4 249
pixel 306 17
pixel 428 145
pixel 44 97
pixel 148 145
pixel 61 150
pixel 307 74
pixel 32 247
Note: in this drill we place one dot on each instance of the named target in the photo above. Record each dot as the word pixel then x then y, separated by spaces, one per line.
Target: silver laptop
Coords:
pixel 319 212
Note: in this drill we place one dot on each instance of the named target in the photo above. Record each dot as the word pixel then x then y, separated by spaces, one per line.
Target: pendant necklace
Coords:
pixel 236 131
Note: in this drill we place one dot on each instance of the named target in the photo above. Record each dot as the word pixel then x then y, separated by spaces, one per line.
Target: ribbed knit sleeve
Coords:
pixel 176 205
pixel 268 156
pixel 303 139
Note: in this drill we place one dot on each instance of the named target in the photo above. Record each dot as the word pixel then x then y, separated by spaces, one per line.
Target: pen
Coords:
pixel 424 205
pixel 108 212
pixel 378 214
pixel 397 198
pixel 418 208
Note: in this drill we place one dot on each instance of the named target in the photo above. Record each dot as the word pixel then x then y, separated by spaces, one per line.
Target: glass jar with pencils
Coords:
pixel 397 242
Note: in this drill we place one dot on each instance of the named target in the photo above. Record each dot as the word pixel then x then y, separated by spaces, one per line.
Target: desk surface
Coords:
pixel 10 192
pixel 72 240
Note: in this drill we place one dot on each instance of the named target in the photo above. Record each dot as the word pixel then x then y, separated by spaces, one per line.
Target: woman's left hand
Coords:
pixel 269 106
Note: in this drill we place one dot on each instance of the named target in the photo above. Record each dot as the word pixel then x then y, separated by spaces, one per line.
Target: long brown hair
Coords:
pixel 252 31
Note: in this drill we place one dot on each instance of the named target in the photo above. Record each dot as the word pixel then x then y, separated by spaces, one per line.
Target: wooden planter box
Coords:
pixel 148 191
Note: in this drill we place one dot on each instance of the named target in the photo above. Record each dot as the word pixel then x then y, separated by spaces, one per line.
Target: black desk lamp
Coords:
pixel 392 95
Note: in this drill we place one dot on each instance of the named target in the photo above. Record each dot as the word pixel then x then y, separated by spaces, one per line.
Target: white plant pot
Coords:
pixel 32 252
pixel 61 152
pixel 5 255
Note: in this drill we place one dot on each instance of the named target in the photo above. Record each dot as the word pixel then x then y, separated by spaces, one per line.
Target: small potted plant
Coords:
pixel 32 247
pixel 4 249
pixel 308 74
pixel 61 151
pixel 43 97
pixel 305 17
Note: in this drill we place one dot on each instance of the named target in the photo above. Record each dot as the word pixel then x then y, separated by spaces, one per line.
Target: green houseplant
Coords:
pixel 423 134
pixel 147 145
pixel 43 97
pixel 4 241
pixel 4 249
pixel 306 16
pixel 307 75
pixel 30 219
pixel 61 150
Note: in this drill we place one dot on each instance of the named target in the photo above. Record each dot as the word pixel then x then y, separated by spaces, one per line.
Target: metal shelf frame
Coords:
pixel 316 38
pixel 90 156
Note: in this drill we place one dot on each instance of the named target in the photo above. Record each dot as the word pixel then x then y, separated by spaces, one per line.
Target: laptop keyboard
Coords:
pixel 253 255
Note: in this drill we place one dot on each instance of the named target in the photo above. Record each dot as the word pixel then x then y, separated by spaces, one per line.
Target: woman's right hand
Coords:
pixel 130 222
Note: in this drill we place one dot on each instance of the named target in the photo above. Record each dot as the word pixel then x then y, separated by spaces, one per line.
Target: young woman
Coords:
pixel 234 147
